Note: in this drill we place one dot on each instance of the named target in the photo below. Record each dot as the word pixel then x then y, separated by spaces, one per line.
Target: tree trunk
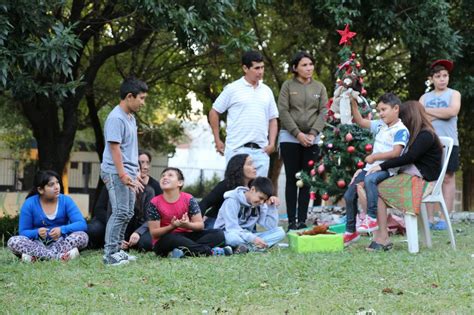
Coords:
pixel 274 172
pixel 468 187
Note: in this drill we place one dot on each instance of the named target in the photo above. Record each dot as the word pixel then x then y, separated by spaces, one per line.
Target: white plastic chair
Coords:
pixel 436 195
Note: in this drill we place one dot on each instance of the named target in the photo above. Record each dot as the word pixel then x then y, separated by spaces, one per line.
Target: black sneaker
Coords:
pixel 292 226
pixel 228 250
pixel 301 225
pixel 115 259
pixel 241 249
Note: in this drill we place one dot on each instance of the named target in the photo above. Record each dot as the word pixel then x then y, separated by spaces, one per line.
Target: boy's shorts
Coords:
pixel 453 164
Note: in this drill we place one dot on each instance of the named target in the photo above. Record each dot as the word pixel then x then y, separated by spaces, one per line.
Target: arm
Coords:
pixel 214 199
pixel 268 216
pixel 420 146
pixel 116 154
pixel 319 124
pixel 229 212
pixel 272 133
pixel 396 151
pixel 286 119
pixel 214 122
pixel 77 221
pixel 26 226
pixel 193 219
pixel 364 123
pixel 156 230
pixel 446 113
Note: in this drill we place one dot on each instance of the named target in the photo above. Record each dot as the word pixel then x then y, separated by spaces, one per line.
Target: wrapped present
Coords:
pixel 315 243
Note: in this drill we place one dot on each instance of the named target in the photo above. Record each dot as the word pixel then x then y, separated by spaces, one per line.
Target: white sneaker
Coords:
pixel 128 256
pixel 28 258
pixel 70 255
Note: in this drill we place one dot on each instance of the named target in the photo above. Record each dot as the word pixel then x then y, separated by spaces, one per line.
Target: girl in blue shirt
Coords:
pixel 51 225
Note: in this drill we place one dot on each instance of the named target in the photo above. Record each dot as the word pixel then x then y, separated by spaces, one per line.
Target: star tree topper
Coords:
pixel 346 35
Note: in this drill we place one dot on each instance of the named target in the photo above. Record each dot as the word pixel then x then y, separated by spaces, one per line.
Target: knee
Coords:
pixel 349 195
pixel 279 233
pixel 233 239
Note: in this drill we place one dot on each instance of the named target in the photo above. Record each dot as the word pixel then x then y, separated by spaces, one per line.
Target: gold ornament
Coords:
pixel 300 184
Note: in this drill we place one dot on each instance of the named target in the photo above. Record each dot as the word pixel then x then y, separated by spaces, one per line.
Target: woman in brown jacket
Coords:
pixel 301 106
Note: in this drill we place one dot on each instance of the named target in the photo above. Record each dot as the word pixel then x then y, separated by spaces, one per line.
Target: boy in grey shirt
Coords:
pixel 243 209
pixel 119 168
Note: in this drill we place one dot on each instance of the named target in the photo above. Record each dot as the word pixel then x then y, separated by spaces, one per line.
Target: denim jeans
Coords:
pixel 271 237
pixel 122 200
pixel 260 158
pixel 370 185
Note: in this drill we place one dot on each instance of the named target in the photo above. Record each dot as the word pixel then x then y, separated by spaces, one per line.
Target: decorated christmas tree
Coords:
pixel 343 145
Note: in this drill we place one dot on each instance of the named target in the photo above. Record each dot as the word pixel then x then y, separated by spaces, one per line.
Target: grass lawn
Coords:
pixel 439 280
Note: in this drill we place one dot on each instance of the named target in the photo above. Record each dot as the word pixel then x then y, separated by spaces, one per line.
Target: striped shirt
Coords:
pixel 249 111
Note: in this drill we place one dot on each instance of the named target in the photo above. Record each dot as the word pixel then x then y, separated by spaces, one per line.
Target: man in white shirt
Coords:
pixel 251 115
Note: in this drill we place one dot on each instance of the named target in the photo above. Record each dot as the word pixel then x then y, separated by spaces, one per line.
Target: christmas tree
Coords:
pixel 343 145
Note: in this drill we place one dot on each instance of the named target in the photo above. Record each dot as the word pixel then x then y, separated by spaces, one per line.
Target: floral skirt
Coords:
pixel 404 192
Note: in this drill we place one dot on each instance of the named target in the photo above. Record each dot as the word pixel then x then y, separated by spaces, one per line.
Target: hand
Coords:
pixel 355 175
pixel 43 232
pixel 370 159
pixel 125 245
pixel 310 138
pixel 302 139
pixel 55 233
pixel 184 220
pixel 175 222
pixel 373 169
pixel 136 186
pixel 260 243
pixel 134 238
pixel 269 149
pixel 220 146
pixel 273 200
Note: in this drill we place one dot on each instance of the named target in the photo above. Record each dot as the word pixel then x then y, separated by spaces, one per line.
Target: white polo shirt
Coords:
pixel 249 111
pixel 386 138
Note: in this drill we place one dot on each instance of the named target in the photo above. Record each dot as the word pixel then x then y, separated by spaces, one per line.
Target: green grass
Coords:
pixel 436 280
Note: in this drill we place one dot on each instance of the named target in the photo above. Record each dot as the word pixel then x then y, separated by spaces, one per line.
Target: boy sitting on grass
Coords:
pixel 242 209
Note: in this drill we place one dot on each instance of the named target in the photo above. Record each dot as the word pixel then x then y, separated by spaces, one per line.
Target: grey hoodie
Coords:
pixel 238 216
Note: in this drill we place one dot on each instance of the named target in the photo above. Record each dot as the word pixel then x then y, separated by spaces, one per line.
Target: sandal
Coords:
pixel 376 247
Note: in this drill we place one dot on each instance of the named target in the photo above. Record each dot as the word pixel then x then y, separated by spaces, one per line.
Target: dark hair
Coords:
pixel 390 99
pixel 251 56
pixel 437 69
pixel 297 58
pixel 177 171
pixel 234 172
pixel 141 152
pixel 42 179
pixel 132 85
pixel 413 116
pixel 263 185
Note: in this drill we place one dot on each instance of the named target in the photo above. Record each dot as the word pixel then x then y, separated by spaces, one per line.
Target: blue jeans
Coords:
pixel 260 158
pixel 370 185
pixel 271 237
pixel 122 201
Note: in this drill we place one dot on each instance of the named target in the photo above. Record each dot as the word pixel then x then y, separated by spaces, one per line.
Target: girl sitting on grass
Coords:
pixel 51 225
pixel 175 222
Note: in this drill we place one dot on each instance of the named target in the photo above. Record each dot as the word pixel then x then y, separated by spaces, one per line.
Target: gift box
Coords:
pixel 338 228
pixel 316 243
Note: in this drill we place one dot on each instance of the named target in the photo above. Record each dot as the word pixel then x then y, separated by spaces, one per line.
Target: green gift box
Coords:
pixel 338 228
pixel 315 243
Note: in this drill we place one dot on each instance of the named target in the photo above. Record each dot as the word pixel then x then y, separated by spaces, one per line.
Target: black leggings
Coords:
pixel 295 158
pixel 192 243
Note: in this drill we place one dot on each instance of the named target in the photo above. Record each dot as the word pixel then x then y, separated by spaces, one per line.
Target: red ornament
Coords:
pixel 325 196
pixel 353 55
pixel 341 183
pixel 351 149
pixel 363 92
pixel 321 169
pixel 313 172
pixel 336 131
pixel 346 36
pixel 368 148
pixel 312 195
pixel 360 164
pixel 349 137
pixel 310 163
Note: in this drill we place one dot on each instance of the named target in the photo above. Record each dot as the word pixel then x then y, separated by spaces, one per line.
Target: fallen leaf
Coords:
pixel 387 291
pixel 434 285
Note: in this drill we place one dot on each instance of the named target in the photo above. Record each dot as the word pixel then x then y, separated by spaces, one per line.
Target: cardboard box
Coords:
pixel 315 243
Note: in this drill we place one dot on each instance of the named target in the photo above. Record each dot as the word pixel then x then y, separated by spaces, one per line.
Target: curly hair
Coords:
pixel 234 173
